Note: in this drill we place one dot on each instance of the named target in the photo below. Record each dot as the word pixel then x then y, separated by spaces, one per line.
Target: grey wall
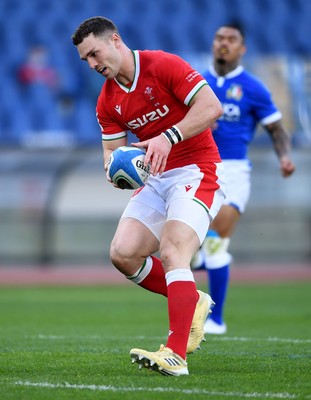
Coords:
pixel 58 207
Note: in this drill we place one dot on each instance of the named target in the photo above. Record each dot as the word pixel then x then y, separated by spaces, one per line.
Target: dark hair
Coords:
pixel 236 25
pixel 96 25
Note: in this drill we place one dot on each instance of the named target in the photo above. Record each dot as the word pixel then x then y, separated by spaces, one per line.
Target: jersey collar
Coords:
pixel 136 74
pixel 232 74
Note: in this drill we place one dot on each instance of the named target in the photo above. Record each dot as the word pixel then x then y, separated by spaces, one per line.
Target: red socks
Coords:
pixel 180 289
pixel 151 276
pixel 182 301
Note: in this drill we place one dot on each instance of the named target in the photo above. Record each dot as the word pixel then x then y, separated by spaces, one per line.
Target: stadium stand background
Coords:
pixel 185 27
pixel 55 205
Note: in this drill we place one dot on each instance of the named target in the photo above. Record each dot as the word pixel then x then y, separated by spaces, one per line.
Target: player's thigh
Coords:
pixel 133 240
pixel 148 207
pixel 184 231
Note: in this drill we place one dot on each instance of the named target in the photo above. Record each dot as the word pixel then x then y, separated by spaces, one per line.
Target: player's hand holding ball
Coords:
pixel 158 150
pixel 125 168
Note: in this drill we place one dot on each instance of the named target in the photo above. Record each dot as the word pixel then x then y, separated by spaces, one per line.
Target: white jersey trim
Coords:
pixel 114 136
pixel 136 74
pixel 194 91
pixel 232 74
pixel 271 118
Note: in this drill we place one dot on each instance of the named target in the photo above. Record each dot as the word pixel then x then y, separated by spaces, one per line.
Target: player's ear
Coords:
pixel 243 50
pixel 115 38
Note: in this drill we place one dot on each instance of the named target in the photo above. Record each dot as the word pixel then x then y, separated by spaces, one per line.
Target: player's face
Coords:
pixel 228 45
pixel 102 54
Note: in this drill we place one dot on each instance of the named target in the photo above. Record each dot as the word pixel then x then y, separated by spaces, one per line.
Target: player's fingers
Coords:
pixel 287 168
pixel 163 165
pixel 107 165
pixel 160 165
pixel 155 164
pixel 148 160
pixel 143 145
pixel 287 173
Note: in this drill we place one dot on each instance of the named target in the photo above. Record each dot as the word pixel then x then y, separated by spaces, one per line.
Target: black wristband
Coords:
pixel 173 135
pixel 177 133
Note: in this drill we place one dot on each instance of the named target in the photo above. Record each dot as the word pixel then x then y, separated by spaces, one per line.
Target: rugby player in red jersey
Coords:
pixel 169 107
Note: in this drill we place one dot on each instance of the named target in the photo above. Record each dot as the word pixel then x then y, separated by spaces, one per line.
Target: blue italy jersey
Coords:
pixel 246 102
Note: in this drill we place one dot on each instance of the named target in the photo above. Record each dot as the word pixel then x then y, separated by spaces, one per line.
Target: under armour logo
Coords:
pixel 188 187
pixel 118 109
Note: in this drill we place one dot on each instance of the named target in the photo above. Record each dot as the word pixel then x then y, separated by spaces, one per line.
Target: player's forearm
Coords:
pixel 109 146
pixel 282 146
pixel 280 139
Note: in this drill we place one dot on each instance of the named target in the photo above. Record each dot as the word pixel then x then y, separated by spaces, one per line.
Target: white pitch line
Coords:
pixel 269 339
pixel 210 338
pixel 109 388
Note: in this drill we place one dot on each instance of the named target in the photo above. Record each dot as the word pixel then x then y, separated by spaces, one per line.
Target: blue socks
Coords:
pixel 218 279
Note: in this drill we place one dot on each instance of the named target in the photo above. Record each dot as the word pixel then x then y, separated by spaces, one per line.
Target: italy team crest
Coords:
pixel 234 92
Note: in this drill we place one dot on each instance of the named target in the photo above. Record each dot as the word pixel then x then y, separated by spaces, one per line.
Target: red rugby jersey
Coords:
pixel 158 98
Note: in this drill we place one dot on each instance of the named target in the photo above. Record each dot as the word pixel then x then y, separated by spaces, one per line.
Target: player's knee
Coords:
pixel 167 252
pixel 122 257
pixel 116 257
pixel 216 250
pixel 171 254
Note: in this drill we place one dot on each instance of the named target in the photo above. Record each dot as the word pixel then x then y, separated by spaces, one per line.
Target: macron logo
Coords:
pixel 118 109
pixel 188 187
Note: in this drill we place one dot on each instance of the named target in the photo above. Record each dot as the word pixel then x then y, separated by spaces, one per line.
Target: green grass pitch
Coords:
pixel 73 343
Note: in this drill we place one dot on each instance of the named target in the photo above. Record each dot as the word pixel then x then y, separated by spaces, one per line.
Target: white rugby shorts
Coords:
pixel 191 194
pixel 238 180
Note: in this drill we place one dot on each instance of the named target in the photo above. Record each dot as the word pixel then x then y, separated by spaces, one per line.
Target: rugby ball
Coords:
pixel 126 168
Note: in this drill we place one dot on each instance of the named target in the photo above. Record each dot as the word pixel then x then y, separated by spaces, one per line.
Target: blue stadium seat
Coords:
pixel 85 123
pixel 179 26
